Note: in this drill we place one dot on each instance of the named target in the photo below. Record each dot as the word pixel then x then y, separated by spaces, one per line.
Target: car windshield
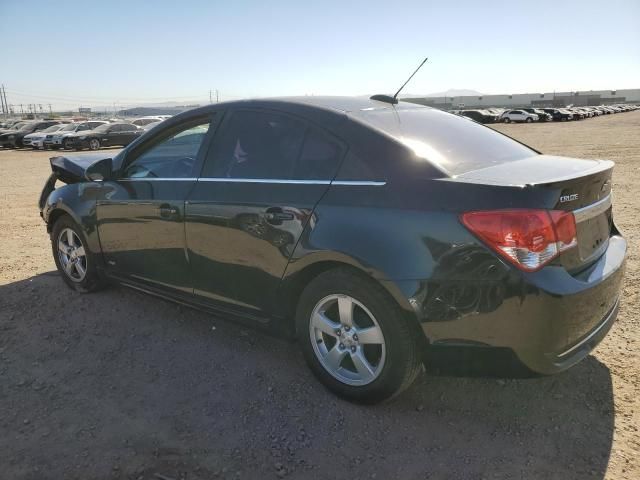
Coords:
pixel 27 126
pixel 52 128
pixel 69 128
pixel 435 136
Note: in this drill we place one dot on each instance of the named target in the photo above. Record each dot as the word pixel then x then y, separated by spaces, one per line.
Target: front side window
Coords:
pixel 256 145
pixel 172 156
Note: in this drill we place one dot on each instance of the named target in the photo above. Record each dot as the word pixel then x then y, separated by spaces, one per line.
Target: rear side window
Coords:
pixel 261 145
pixel 320 157
pixel 447 141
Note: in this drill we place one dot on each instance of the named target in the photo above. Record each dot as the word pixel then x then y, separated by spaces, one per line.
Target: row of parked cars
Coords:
pixel 91 134
pixel 530 115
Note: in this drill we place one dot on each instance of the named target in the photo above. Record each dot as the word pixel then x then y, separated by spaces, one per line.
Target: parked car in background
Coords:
pixel 142 121
pixel 558 115
pixel 149 126
pixel 518 116
pixel 36 140
pixel 107 135
pixel 13 126
pixel 481 116
pixel 542 115
pixel 59 139
pixel 13 139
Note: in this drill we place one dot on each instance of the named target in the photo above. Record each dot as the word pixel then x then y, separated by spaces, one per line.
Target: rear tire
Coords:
pixel 507 120
pixel 76 264
pixel 367 356
pixel 529 120
pixel 94 144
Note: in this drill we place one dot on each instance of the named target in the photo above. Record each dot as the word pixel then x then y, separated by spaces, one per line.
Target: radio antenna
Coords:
pixel 394 100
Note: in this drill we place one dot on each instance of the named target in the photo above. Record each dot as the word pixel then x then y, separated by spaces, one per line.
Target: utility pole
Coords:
pixel 217 98
pixel 4 95
pixel 2 104
pixel 210 101
pixel 50 112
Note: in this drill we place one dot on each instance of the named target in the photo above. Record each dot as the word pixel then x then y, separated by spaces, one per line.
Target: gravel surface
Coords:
pixel 121 385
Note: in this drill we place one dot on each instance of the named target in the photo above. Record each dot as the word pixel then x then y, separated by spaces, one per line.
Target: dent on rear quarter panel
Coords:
pixel 424 257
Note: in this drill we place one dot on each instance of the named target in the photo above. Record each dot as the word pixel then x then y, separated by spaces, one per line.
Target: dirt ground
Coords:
pixel 121 385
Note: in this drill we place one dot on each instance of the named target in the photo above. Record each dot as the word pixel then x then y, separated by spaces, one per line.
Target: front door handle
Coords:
pixel 167 210
pixel 275 216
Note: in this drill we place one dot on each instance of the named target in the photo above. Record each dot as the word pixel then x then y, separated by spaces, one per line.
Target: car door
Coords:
pixel 140 216
pixel 128 134
pixel 107 137
pixel 261 180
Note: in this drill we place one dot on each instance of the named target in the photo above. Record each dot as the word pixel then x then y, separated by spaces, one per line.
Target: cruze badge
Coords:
pixel 569 198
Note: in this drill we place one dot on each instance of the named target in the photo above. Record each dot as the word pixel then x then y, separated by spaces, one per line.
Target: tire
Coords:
pixel 507 120
pixel 529 120
pixel 90 281
pixel 391 353
pixel 94 144
pixel 65 144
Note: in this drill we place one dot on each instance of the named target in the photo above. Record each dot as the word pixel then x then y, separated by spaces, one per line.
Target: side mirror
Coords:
pixel 99 171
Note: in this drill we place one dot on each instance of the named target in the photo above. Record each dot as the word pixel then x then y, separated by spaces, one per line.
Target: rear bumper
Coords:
pixel 549 319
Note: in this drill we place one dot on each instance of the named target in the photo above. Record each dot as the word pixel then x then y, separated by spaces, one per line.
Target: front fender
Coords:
pixel 78 200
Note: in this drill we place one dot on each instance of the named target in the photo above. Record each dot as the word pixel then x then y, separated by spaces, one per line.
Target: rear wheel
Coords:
pixel 355 338
pixel 75 262
pixel 507 120
pixel 94 144
pixel 529 120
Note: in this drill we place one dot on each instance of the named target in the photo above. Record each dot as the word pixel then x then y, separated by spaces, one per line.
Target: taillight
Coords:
pixel 527 238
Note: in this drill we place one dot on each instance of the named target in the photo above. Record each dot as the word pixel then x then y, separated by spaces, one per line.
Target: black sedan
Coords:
pixel 559 115
pixel 373 232
pixel 13 138
pixel 107 135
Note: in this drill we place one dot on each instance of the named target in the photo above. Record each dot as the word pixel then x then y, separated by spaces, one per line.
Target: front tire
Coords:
pixel 75 263
pixel 355 338
pixel 507 120
pixel 94 144
pixel 529 120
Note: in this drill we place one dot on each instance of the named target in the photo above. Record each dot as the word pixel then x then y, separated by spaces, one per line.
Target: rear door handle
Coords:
pixel 275 216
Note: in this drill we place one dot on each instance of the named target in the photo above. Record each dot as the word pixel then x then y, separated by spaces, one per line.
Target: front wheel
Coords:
pixel 94 144
pixel 75 263
pixel 355 338
pixel 507 120
pixel 529 120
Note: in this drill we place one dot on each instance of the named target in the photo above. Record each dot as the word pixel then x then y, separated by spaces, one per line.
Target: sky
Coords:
pixel 106 53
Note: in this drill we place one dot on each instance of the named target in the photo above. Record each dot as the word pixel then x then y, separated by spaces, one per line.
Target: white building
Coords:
pixel 548 99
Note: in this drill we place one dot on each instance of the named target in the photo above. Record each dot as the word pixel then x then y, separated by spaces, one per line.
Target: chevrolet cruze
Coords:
pixel 374 232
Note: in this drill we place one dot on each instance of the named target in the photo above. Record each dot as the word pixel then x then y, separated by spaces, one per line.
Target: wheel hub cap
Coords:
pixel 71 255
pixel 347 340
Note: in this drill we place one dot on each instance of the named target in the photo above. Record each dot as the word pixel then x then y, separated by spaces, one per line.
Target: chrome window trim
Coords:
pixel 263 180
pixel 363 183
pixel 593 210
pixel 292 182
pixel 155 179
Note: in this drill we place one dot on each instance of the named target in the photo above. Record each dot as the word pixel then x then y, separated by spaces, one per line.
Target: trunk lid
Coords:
pixel 568 184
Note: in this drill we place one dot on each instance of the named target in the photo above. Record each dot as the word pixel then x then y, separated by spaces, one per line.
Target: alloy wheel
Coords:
pixel 71 254
pixel 347 340
pixel 94 144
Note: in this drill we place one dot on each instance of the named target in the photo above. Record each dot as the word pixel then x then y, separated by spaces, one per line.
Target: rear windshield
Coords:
pixel 455 144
